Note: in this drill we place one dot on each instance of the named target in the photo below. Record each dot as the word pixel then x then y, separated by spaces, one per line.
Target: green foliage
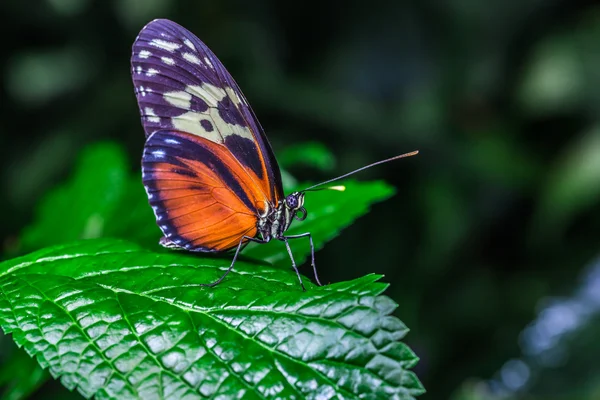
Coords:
pixel 101 199
pixel 312 154
pixel 114 319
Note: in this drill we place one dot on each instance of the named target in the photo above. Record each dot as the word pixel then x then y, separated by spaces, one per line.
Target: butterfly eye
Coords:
pixel 292 202
pixel 301 214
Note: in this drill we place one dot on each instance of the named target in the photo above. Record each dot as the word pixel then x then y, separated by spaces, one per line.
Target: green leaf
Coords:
pixel 101 199
pixel 114 320
pixel 312 154
pixel 329 211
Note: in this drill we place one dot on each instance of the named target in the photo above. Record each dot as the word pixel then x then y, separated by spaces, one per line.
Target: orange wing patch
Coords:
pixel 203 199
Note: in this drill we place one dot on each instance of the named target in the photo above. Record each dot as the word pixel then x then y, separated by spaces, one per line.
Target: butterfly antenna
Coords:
pixel 341 188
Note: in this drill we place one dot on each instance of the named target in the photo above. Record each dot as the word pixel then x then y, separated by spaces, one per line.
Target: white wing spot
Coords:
pixel 207 61
pixel 190 121
pixel 151 116
pixel 191 58
pixel 172 141
pixel 150 196
pixel 138 69
pixel 144 54
pixel 168 60
pixel 151 72
pixel 165 45
pixel 158 153
pixel 212 95
pixel 233 95
pixel 189 44
pixel 178 99
pixel 144 90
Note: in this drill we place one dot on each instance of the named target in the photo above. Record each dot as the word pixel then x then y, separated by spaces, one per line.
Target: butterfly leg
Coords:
pixel 312 253
pixel 235 256
pixel 289 250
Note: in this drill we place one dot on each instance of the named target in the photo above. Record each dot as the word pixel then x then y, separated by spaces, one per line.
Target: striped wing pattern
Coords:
pixel 197 192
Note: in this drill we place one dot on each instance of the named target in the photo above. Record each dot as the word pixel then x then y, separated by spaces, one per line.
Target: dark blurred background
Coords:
pixel 491 244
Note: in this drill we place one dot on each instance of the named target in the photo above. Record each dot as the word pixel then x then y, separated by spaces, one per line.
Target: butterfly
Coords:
pixel 210 174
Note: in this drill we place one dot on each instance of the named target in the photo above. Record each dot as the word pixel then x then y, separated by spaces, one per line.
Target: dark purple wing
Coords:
pixel 181 86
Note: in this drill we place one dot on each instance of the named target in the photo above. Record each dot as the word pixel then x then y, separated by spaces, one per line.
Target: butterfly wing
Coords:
pixel 198 192
pixel 183 89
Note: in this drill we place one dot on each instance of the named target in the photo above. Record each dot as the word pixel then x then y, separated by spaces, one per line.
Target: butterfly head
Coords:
pixel 294 202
